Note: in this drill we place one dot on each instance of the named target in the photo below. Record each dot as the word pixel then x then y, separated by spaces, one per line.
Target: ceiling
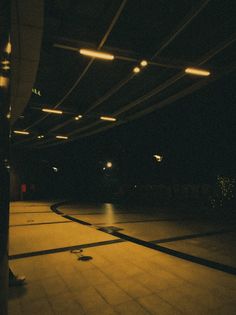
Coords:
pixel 170 35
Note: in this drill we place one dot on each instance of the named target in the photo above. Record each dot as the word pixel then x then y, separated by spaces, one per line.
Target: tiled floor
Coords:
pixel 122 278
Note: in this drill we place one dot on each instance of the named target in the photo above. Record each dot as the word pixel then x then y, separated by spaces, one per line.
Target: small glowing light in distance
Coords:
pixel 21 132
pixel 5 62
pixel 52 111
pixel 5 67
pixel 8 48
pixel 3 81
pixel 78 117
pixel 96 54
pixel 143 63
pixel 109 164
pixel 37 92
pixel 108 118
pixel 8 115
pixel 62 137
pixel 136 70
pixel 55 169
pixel 197 72
pixel 158 157
pixel 40 136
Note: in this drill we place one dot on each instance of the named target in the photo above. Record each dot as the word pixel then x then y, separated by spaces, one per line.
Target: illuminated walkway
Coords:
pixel 122 278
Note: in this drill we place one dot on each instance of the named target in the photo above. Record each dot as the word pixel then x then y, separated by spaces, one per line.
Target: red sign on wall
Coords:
pixel 23 188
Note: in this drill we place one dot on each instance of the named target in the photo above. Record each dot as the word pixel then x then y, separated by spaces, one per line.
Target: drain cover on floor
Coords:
pixel 110 229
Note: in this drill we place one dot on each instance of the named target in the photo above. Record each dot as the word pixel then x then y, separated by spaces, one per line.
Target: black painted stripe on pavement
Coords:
pixel 29 212
pixel 175 253
pixel 63 249
pixel 171 252
pixel 41 223
pixel 143 221
pixel 190 236
pixel 75 220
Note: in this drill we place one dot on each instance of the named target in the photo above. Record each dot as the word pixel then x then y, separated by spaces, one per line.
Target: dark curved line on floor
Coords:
pixel 191 236
pixel 178 254
pixel 63 249
pixel 41 223
pixel 29 212
pixel 171 252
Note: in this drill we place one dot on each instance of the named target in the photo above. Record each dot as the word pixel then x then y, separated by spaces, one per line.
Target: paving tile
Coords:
pixel 99 261
pixel 65 267
pixel 112 293
pixel 157 306
pixel 38 307
pixel 65 304
pixel 133 288
pixel 208 298
pixel 154 283
pixel 186 303
pixel 54 286
pixel 89 299
pixel 33 290
pixel 75 281
pixel 104 310
pixel 130 308
pixel 37 272
pixel 83 265
pixel 130 268
pixel 95 276
pixel 116 272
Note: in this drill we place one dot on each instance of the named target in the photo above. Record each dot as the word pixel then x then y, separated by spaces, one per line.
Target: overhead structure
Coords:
pixel 94 77
pixel 25 42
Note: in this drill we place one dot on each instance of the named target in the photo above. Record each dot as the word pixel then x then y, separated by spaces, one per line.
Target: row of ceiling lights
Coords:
pixel 22 132
pixel 106 56
pixel 143 63
pixel 5 65
pixel 78 117
pixel 54 111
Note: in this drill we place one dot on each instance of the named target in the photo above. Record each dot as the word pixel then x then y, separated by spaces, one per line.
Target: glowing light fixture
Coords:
pixel 158 157
pixel 36 92
pixel 108 118
pixel 143 63
pixel 20 132
pixel 109 164
pixel 78 117
pixel 52 111
pixel 196 71
pixel 5 62
pixel 40 136
pixel 5 67
pixel 96 54
pixel 8 48
pixel 3 81
pixel 136 70
pixel 62 137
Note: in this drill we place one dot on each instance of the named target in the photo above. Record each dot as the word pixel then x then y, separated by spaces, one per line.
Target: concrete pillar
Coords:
pixel 5 53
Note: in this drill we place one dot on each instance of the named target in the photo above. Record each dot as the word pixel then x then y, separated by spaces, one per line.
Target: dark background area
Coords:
pixel 195 135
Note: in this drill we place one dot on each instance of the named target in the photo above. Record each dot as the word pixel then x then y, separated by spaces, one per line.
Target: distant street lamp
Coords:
pixel 109 165
pixel 158 157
